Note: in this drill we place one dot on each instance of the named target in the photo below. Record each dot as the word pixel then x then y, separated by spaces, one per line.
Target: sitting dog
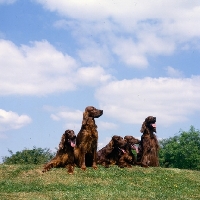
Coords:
pixel 112 152
pixel 87 138
pixel 65 154
pixel 149 147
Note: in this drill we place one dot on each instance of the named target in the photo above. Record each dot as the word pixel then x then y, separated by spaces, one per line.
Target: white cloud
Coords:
pixel 152 27
pixel 118 10
pixel 134 52
pixel 11 120
pixel 91 51
pixel 173 72
pixel 129 52
pixel 67 115
pixel 71 119
pixel 170 100
pixel 94 54
pixel 55 117
pixel 40 69
pixel 92 76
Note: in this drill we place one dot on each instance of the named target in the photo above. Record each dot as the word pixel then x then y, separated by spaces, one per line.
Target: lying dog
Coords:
pixel 149 147
pixel 65 154
pixel 112 152
pixel 86 142
pixel 128 158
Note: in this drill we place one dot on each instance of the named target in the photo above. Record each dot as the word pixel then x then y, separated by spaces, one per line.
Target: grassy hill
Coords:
pixel 28 182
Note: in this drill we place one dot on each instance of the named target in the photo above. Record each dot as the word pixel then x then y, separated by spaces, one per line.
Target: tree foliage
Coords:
pixel 34 156
pixel 182 151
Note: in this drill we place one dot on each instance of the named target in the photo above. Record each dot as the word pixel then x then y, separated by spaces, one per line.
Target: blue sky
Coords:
pixel 130 58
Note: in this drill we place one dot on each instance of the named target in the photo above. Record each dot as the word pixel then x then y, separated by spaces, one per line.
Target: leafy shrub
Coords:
pixel 26 156
pixel 182 151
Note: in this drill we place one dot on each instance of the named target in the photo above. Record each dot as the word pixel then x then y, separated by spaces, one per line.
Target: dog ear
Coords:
pixel 85 118
pixel 111 145
pixel 127 137
pixel 143 127
pixel 62 142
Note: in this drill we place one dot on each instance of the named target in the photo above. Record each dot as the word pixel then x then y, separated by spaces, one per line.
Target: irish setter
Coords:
pixel 128 158
pixel 65 154
pixel 86 143
pixel 149 147
pixel 112 152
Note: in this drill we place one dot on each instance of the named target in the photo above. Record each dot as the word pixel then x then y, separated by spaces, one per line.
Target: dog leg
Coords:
pixel 48 166
pixel 94 164
pixel 83 166
pixel 70 168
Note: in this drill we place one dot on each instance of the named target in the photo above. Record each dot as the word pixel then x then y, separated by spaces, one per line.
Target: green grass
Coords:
pixel 28 182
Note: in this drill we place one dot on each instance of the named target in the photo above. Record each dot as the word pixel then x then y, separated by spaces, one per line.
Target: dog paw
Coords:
pixel 95 167
pixel 83 168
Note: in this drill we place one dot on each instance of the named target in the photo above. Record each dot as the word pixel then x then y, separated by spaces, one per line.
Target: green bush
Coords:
pixel 182 151
pixel 26 156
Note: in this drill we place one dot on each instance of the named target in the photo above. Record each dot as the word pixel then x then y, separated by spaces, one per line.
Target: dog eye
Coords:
pixel 92 109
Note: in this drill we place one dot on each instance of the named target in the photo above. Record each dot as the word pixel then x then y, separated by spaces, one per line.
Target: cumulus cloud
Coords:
pixel 36 69
pixel 94 75
pixel 120 10
pixel 10 120
pixel 129 52
pixel 71 119
pixel 173 72
pixel 40 69
pixel 67 115
pixel 131 101
pixel 94 54
pixel 139 28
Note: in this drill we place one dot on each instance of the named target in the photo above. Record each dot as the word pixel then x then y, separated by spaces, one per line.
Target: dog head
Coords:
pixel 91 112
pixel 132 142
pixel 149 123
pixel 118 141
pixel 68 139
